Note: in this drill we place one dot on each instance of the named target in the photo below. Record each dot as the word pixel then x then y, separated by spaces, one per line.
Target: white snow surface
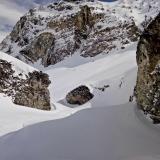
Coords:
pixel 117 70
pixel 3 35
pixel 106 128
pixel 107 133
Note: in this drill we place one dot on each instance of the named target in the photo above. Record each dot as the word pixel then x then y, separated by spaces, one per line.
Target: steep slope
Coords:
pixel 49 34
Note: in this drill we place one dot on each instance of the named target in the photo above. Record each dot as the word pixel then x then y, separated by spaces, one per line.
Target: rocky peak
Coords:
pixel 148 59
pixel 48 34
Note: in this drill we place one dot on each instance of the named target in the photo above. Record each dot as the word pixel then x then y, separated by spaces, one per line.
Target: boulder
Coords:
pixel 35 93
pixel 31 91
pixel 79 96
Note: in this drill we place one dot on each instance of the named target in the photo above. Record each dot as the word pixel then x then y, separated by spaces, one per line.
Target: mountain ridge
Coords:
pixel 87 28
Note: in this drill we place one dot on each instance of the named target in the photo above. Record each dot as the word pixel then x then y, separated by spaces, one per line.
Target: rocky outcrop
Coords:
pixel 87 27
pixel 79 96
pixel 31 91
pixel 41 47
pixel 83 23
pixel 6 76
pixel 35 93
pixel 148 60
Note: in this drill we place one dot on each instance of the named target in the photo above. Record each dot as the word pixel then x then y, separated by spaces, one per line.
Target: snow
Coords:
pixel 106 128
pixel 17 65
pixel 115 13
pixel 109 70
pixel 105 70
pixel 15 117
pixel 2 35
pixel 112 133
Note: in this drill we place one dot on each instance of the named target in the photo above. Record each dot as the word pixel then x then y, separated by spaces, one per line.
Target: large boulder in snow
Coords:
pixel 79 96
pixel 35 93
pixel 148 59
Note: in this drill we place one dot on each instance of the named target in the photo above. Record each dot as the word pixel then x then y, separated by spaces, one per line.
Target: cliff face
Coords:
pixel 50 33
pixel 27 90
pixel 148 60
pixel 40 48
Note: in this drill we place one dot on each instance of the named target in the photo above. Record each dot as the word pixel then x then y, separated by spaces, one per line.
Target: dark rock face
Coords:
pixel 32 91
pixel 19 30
pixel 35 94
pixel 148 59
pixel 79 96
pixel 6 75
pixel 82 29
pixel 40 48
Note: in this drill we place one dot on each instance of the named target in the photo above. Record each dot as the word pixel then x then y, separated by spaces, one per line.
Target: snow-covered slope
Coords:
pixel 140 10
pixel 117 70
pixel 18 66
pixel 3 35
pixel 102 131
pixel 13 116
pixel 109 133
